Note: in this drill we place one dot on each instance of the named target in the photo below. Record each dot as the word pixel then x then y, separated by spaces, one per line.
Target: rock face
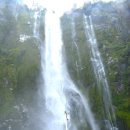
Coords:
pixel 112 32
pixel 20 61
pixel 19 66
pixel 111 24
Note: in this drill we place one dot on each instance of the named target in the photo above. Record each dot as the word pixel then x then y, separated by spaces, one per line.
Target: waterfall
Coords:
pixel 36 25
pixel 53 71
pixel 73 31
pixel 100 73
pixel 37 15
pixel 74 42
pixel 66 107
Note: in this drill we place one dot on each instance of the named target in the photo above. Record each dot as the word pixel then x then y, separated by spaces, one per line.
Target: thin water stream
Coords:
pixel 100 73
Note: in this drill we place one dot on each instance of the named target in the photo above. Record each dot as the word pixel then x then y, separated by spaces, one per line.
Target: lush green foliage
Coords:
pixel 20 60
pixel 19 64
pixel 112 32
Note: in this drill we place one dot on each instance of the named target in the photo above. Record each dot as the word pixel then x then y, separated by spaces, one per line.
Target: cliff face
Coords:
pixel 112 27
pixel 20 61
pixel 19 66
pixel 114 44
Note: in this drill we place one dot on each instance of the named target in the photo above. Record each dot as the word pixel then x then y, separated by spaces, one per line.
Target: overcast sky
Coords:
pixel 60 5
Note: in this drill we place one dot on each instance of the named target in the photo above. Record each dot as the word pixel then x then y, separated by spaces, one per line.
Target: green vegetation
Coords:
pixel 112 31
pixel 114 45
pixel 20 59
pixel 19 64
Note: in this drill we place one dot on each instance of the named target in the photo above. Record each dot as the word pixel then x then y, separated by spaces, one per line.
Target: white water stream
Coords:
pixel 73 31
pixel 100 73
pixel 60 92
pixel 54 81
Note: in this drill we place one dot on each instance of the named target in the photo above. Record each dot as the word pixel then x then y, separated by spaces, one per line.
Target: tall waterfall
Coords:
pixel 100 73
pixel 53 73
pixel 66 107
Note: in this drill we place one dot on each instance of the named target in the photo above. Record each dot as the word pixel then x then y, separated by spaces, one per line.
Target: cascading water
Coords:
pixel 37 15
pixel 55 99
pixel 66 107
pixel 78 63
pixel 75 47
pixel 35 30
pixel 100 73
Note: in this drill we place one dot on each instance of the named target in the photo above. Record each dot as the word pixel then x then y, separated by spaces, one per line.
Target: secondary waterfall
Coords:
pixel 75 44
pixel 100 73
pixel 36 24
pixel 66 107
